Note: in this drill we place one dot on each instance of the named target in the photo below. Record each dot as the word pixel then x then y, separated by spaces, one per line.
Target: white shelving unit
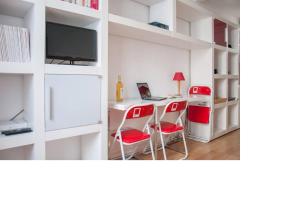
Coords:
pixel 22 84
pixel 188 45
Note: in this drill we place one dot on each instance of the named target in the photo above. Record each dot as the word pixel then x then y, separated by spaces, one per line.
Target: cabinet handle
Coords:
pixel 51 104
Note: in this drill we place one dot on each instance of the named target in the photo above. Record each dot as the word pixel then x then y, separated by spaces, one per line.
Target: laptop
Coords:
pixel 146 94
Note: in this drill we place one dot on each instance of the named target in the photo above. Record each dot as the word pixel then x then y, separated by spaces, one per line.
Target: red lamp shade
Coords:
pixel 178 76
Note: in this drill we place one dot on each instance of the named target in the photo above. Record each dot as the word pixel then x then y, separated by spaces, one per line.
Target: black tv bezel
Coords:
pixel 68 58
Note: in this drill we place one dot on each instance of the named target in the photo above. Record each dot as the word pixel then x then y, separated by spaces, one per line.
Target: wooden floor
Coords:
pixel 226 147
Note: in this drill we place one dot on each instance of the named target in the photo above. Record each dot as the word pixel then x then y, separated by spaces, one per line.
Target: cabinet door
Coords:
pixel 72 101
pixel 220 32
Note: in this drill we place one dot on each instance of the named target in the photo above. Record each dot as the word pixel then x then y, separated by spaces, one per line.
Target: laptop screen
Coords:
pixel 144 90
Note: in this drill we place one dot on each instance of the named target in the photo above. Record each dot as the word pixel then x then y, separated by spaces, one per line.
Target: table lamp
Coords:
pixel 178 77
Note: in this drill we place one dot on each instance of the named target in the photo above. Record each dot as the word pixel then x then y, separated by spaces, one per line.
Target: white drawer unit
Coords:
pixel 72 101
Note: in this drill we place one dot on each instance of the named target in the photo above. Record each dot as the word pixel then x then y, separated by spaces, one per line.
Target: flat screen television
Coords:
pixel 70 43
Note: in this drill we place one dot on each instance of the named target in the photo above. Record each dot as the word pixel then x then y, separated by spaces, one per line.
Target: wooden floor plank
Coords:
pixel 226 147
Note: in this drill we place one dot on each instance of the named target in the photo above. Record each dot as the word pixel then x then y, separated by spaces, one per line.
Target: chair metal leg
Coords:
pixel 185 147
pixel 163 145
pixel 110 146
pixel 122 150
pixel 151 147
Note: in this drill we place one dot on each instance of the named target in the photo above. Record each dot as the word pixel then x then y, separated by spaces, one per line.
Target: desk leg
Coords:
pixel 155 134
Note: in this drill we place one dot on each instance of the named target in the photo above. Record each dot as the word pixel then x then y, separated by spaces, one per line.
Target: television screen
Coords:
pixel 70 43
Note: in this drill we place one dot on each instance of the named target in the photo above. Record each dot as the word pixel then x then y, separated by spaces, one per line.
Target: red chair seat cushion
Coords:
pixel 168 127
pixel 130 136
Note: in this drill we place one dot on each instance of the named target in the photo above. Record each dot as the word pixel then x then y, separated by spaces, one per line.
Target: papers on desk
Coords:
pixel 14 44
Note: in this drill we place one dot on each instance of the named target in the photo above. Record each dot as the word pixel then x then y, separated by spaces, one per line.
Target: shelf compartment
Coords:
pixel 84 147
pixel 72 132
pixel 125 27
pixel 72 70
pixel 7 142
pixel 220 32
pixel 145 11
pixel 71 14
pixel 220 88
pixel 16 68
pixel 17 153
pixel 233 64
pixel 219 121
pixel 16 93
pixel 220 61
pixel 233 37
pixel 193 20
pixel 233 116
pixel 233 88
pixel 16 8
pixel 20 13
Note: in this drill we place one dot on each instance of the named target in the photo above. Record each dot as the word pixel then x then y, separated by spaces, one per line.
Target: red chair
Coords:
pixel 131 136
pixel 198 114
pixel 168 128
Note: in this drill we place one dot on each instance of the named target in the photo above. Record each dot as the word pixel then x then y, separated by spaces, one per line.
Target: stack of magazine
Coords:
pixel 14 44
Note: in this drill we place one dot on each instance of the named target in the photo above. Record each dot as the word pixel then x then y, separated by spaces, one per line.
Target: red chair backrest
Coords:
pixel 176 106
pixel 200 90
pixel 140 111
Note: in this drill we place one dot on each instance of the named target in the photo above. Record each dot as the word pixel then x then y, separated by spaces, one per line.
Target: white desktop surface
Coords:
pixel 125 104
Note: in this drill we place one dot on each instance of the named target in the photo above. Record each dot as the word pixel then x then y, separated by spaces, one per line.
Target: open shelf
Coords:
pixel 233 116
pixel 137 30
pixel 145 11
pixel 233 88
pixel 84 147
pixel 17 153
pixel 18 13
pixel 16 94
pixel 219 121
pixel 220 61
pixel 233 64
pixel 72 14
pixel 7 142
pixel 193 20
pixel 16 8
pixel 71 132
pixel 220 87
pixel 72 70
pixel 16 68
pixel 233 37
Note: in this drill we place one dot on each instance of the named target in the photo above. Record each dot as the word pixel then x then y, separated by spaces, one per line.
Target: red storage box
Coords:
pixel 198 114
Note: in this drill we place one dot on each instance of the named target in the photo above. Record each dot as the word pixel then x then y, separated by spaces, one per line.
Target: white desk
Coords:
pixel 124 105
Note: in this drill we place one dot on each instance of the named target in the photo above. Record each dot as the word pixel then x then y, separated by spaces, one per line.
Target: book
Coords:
pixel 95 4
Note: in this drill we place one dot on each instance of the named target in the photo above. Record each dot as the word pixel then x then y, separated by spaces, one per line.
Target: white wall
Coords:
pixel 139 61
